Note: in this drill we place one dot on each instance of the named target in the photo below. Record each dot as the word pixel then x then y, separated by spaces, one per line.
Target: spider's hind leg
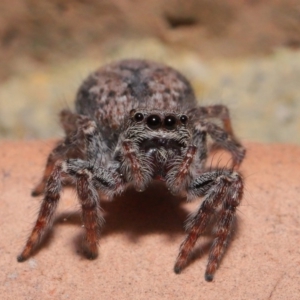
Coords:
pixel 58 153
pixel 221 188
pixel 224 140
pixel 67 148
pixel 217 111
pixel 223 136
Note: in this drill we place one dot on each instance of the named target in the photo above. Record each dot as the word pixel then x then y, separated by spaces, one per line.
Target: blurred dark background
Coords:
pixel 244 54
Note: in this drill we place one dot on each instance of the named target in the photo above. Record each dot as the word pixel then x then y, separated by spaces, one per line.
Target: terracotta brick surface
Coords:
pixel 142 235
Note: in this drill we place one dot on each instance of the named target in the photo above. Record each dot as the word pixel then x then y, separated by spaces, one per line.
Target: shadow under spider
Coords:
pixel 136 215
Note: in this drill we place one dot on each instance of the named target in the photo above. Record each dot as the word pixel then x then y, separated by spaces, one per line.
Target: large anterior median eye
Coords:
pixel 170 122
pixel 154 121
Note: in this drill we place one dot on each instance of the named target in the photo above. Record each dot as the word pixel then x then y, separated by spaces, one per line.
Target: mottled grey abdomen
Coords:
pixel 111 92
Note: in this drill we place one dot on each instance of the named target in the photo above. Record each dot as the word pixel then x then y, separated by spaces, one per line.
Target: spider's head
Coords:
pixel 160 135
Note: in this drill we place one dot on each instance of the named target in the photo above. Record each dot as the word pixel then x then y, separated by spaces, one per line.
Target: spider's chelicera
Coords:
pixel 138 121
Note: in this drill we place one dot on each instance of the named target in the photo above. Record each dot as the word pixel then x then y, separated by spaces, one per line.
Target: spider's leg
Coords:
pixel 219 187
pixel 89 179
pixel 90 205
pixel 90 176
pixel 84 173
pixel 217 111
pixel 67 148
pixel 69 121
pixel 225 140
pixel 223 137
pixel 46 213
pixel 58 153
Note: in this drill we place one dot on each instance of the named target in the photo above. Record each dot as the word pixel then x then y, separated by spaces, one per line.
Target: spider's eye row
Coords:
pixel 170 122
pixel 153 121
pixel 183 119
pixel 138 117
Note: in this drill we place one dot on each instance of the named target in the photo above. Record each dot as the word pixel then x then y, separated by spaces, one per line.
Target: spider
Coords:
pixel 138 121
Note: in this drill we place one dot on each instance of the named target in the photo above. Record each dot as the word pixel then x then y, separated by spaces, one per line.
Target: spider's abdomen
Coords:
pixel 110 93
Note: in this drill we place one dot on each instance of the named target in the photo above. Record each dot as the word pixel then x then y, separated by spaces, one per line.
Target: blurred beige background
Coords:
pixel 244 54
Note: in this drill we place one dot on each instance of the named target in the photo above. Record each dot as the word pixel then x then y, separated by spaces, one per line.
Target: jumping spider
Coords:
pixel 138 121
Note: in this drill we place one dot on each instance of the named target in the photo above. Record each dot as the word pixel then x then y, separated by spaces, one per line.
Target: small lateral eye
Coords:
pixel 170 122
pixel 138 117
pixel 183 119
pixel 153 121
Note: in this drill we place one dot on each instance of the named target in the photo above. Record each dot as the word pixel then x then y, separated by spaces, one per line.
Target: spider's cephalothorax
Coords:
pixel 157 139
pixel 138 121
